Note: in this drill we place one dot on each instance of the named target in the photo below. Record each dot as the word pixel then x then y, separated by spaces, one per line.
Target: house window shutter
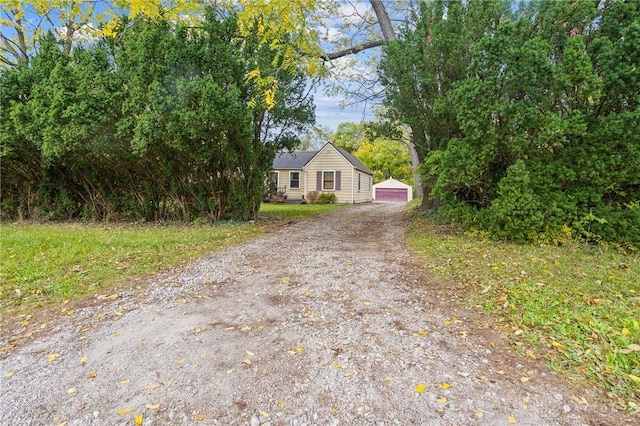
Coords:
pixel 319 181
pixel 338 180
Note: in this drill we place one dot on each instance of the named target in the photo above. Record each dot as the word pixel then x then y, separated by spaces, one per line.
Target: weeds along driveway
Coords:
pixel 326 321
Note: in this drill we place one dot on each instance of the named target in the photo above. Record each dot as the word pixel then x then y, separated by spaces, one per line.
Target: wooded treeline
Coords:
pixel 160 122
pixel 526 115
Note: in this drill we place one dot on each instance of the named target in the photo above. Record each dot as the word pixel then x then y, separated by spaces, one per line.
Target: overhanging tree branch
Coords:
pixel 353 49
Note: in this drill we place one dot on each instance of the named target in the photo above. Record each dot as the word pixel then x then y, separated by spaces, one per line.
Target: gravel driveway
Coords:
pixel 326 321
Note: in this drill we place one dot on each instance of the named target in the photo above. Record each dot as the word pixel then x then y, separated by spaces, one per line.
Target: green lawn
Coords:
pixel 577 306
pixel 49 262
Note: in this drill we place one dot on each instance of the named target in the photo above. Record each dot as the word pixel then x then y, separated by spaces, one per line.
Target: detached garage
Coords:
pixel 392 191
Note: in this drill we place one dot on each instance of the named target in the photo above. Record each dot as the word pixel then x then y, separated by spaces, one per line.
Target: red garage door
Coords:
pixel 396 195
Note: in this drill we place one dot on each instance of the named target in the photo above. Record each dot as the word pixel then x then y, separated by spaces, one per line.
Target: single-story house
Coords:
pixel 393 191
pixel 331 169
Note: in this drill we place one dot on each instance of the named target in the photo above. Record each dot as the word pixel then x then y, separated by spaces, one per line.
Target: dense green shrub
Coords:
pixel 526 117
pixel 326 198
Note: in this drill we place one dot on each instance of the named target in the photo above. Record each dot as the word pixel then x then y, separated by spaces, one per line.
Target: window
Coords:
pixel 294 180
pixel 274 178
pixel 328 180
pixel 359 185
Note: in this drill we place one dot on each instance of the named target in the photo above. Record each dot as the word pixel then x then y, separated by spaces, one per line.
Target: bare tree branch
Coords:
pixel 354 49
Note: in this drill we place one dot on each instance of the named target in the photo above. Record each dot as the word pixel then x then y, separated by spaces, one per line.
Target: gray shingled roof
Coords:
pixel 292 160
pixel 297 160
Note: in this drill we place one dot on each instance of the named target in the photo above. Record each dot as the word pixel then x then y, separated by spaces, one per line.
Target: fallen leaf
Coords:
pixel 250 353
pixel 92 374
pixel 246 361
pixel 125 381
pixel 8 374
pixel 62 424
pixel 246 328
pixel 524 379
pixel 631 348
pixel 441 400
pixel 199 417
pixel 153 386
pixel 281 404
pixel 25 323
pixel 347 374
pixel 479 414
pixel 138 420
pixel 634 378
pixel 334 410
pixel 422 332
pixel 420 388
pixel 512 419
pixel 180 361
pixel 153 406
pixel 558 345
pixel 264 414
pixel 72 391
pixel 625 331
pixel 445 386
pixel 123 411
pixel 84 359
pixel 53 357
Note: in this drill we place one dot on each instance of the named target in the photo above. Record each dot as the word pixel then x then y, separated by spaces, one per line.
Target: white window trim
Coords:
pixel 299 178
pixel 334 180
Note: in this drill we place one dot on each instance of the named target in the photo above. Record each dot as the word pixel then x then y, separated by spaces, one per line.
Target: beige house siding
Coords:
pixel 363 194
pixel 328 159
pixel 284 179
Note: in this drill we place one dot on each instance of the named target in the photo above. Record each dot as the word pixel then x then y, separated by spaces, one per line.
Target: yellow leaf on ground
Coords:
pixel 524 379
pixel 72 391
pixel 62 424
pixel 138 420
pixel 123 411
pixel 634 378
pixel 92 374
pixel 558 345
pixel 512 419
pixel 445 386
pixel 347 374
pixel 180 361
pixel 199 417
pixel 53 357
pixel 250 353
pixel 479 414
pixel 84 359
pixel 246 361
pixel 125 381
pixel 422 332
pixel 246 328
pixel 625 331
pixel 441 400
pixel 8 374
pixel 264 414
pixel 153 406
pixel 334 410
pixel 153 386
pixel 281 404
pixel 420 388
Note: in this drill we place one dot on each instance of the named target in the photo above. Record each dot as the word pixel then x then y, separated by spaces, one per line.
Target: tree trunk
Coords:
pixel 383 19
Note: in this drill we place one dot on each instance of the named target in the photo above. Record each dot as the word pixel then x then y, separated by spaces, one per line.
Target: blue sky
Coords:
pixel 329 113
